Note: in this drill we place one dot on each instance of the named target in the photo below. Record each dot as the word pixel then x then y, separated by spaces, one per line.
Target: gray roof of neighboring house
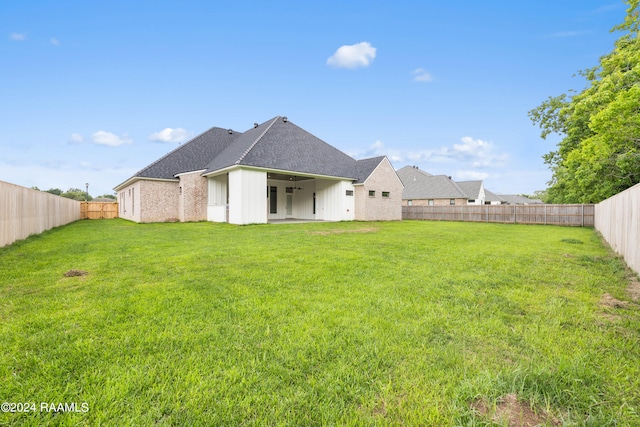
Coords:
pixel 490 196
pixel 275 144
pixel 432 187
pixel 419 184
pixel 471 188
pixel 514 199
pixel 411 173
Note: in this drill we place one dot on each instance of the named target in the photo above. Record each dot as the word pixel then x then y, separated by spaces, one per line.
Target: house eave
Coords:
pixel 280 171
pixel 188 173
pixel 142 178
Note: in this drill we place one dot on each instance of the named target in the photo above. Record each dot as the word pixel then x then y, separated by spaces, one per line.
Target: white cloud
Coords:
pixel 55 41
pixel 170 135
pixel 76 138
pixel 107 138
pixel 353 56
pixel 471 175
pixel 476 151
pixel 421 75
pixel 17 36
pixel 470 154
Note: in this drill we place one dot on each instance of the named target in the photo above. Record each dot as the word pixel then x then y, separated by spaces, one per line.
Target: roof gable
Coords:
pixel 281 145
pixel 432 187
pixel 411 173
pixel 471 188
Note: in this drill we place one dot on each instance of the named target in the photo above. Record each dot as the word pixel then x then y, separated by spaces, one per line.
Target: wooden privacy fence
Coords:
pixel 618 220
pixel 575 215
pixel 24 212
pixel 98 210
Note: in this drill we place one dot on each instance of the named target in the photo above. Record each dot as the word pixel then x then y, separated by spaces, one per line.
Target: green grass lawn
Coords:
pixel 401 323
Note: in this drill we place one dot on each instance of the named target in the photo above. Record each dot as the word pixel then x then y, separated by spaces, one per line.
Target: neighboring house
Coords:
pixel 492 198
pixel 276 170
pixel 514 199
pixel 424 189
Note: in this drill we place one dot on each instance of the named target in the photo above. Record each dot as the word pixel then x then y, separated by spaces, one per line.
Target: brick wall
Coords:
pixel 159 201
pixel 193 197
pixel 379 208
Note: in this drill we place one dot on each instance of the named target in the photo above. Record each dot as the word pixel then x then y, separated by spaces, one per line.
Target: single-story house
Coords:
pixel 423 189
pixel 275 170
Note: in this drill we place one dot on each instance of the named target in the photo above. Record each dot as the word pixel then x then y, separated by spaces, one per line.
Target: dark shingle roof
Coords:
pixel 365 167
pixel 275 144
pixel 281 145
pixel 191 156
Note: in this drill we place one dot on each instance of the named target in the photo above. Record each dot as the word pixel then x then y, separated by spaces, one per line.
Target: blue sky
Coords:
pixel 93 91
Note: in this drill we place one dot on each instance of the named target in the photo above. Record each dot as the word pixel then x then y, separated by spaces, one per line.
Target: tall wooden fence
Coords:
pixel 618 220
pixel 24 212
pixel 98 210
pixel 569 215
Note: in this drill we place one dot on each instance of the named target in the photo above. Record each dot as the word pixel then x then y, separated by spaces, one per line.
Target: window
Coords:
pixel 409 202
pixel 372 193
pixel 471 201
pixel 349 192
pixel 273 200
pixel 452 202
pixel 430 202
pixel 289 190
pixel 385 194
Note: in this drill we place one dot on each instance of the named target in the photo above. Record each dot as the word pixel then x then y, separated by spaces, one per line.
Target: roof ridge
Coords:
pixel 253 144
pixel 176 149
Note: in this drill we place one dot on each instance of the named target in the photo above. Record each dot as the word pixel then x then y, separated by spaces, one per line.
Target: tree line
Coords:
pixel 599 154
pixel 75 194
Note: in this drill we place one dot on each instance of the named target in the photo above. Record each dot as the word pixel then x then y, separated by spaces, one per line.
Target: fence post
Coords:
pixel 583 215
pixel 515 213
pixel 545 214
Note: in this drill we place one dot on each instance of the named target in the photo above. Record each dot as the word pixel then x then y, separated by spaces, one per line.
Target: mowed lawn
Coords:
pixel 353 323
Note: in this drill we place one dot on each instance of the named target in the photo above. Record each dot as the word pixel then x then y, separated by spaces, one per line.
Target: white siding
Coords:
pixel 302 199
pixel 247 197
pixel 217 201
pixel 332 203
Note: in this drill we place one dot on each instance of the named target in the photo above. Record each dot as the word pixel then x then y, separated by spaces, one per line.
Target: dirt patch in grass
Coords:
pixel 510 411
pixel 75 273
pixel 339 231
pixel 633 290
pixel 608 301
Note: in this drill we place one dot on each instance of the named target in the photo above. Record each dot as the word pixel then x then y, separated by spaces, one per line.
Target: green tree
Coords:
pixel 108 196
pixel 599 154
pixel 56 191
pixel 77 194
